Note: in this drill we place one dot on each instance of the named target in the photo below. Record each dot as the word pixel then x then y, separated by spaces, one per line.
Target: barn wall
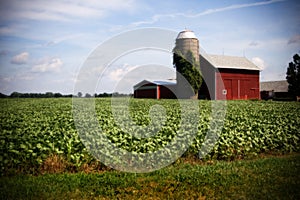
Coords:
pixel 146 91
pixel 239 84
pixel 151 93
pixel 155 91
pixel 166 93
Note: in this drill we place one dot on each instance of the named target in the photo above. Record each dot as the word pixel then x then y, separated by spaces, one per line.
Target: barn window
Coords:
pixel 224 92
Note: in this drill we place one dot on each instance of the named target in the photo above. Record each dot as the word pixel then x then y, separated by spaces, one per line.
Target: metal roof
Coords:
pixel 186 34
pixel 155 82
pixel 230 62
pixel 276 86
pixel 164 82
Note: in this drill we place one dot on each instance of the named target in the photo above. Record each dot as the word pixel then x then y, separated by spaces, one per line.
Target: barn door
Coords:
pixel 244 89
pixel 228 88
pixel 235 89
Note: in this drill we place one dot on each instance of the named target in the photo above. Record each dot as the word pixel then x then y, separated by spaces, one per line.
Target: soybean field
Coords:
pixel 32 130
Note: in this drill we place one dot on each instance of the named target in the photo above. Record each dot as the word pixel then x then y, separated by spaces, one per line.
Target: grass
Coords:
pixel 271 177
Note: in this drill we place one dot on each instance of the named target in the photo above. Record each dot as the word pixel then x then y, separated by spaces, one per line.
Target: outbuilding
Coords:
pixel 155 89
pixel 274 90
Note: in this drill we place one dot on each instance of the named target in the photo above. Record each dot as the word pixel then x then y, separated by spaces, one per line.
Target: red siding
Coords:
pixel 154 92
pixel 158 91
pixel 146 91
pixel 151 93
pixel 239 84
pixel 166 93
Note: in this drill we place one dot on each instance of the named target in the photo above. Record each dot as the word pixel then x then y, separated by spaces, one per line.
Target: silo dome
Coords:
pixel 187 41
pixel 186 34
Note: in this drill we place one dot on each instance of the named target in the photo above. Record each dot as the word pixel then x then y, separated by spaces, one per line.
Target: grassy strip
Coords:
pixel 265 178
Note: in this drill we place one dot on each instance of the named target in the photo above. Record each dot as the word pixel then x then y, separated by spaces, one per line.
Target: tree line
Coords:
pixel 59 95
pixel 293 77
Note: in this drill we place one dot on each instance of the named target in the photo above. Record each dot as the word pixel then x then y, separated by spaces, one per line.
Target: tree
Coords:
pixel 186 65
pixel 56 95
pixel 79 94
pixel 87 95
pixel 15 95
pixel 49 95
pixel 3 95
pixel 293 76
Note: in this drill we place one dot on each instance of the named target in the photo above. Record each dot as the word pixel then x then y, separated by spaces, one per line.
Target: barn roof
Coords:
pixel 230 62
pixel 276 86
pixel 155 82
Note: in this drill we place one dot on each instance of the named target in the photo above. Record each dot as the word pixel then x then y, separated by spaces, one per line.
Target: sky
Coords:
pixel 45 44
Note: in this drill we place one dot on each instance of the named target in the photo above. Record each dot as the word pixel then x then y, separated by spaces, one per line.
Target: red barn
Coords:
pixel 228 77
pixel 155 89
pixel 225 77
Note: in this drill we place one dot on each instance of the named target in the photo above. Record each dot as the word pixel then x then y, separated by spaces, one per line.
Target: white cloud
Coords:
pixel 62 39
pixel 157 17
pixel 17 77
pixel 259 62
pixel 294 39
pixel 253 44
pixel 20 59
pixel 272 76
pixel 61 10
pixel 6 79
pixel 238 6
pixel 48 65
pixel 26 77
pixel 118 73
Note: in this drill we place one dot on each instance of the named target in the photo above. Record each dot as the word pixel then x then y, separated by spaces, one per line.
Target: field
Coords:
pixel 34 130
pixel 41 136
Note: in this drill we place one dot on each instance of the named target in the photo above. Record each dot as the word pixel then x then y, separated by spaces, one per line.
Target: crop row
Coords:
pixel 33 129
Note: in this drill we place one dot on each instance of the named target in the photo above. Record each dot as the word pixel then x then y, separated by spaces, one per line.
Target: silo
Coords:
pixel 187 41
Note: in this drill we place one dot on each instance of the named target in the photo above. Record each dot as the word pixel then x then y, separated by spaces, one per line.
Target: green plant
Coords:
pixel 33 129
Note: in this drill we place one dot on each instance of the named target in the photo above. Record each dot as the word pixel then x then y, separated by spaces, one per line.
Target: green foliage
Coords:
pixel 253 127
pixel 37 95
pixel 33 129
pixel 293 76
pixel 187 66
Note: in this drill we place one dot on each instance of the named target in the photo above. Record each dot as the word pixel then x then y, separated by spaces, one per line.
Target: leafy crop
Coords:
pixel 33 129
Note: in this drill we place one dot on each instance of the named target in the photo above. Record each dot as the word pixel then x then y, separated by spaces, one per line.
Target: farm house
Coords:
pixel 224 77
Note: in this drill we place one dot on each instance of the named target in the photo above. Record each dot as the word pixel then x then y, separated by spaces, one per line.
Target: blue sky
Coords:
pixel 43 44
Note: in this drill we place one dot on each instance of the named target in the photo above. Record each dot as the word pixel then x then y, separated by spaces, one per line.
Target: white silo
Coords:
pixel 187 41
